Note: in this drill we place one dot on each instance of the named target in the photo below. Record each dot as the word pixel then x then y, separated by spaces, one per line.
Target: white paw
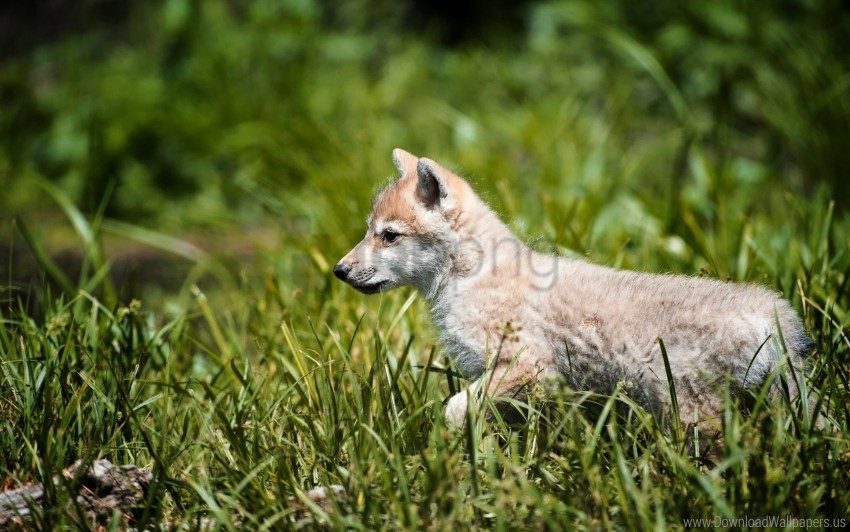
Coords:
pixel 456 410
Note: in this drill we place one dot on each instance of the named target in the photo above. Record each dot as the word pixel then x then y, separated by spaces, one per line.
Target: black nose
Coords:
pixel 341 270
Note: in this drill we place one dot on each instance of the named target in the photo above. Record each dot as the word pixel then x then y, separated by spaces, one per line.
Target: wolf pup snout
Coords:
pixel 341 270
pixel 591 326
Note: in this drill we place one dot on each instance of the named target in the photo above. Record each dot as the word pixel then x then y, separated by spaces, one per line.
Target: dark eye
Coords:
pixel 390 236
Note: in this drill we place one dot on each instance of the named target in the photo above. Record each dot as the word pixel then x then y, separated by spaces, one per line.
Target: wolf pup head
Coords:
pixel 411 237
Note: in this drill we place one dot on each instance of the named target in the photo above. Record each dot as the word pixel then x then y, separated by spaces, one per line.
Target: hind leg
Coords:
pixel 702 426
pixel 803 397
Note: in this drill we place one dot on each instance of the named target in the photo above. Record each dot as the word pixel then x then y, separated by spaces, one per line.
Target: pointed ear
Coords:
pixel 431 188
pixel 404 161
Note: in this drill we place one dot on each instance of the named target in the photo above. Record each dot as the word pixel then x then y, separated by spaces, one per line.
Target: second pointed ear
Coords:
pixel 431 187
pixel 404 161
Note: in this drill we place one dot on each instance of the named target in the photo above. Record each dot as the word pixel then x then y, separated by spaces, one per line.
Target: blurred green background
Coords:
pixel 659 135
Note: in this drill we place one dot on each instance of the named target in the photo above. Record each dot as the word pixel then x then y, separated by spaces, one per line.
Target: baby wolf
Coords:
pixel 511 316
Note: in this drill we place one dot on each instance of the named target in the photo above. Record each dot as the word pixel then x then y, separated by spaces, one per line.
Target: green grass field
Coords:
pixel 174 203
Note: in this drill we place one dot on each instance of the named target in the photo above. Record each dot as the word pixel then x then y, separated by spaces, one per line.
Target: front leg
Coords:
pixel 457 406
pixel 515 380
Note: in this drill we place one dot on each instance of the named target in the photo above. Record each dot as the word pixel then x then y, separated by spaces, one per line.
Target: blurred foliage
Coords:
pixel 634 123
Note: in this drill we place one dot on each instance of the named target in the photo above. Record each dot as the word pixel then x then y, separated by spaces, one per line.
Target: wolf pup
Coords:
pixel 511 316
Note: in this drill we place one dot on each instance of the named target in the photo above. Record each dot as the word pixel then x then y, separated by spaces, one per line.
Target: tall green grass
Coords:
pixel 243 399
pixel 261 377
